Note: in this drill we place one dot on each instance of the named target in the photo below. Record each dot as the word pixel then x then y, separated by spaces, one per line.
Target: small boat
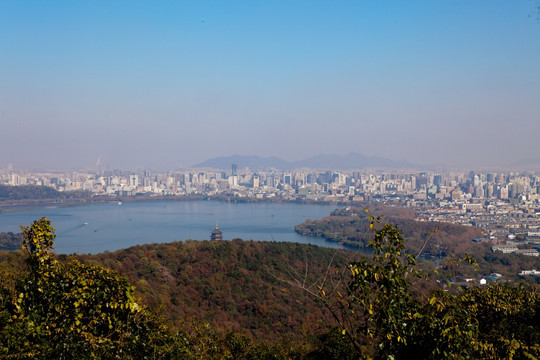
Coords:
pixel 119 203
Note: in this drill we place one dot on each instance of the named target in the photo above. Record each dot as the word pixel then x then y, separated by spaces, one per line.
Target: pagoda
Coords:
pixel 216 234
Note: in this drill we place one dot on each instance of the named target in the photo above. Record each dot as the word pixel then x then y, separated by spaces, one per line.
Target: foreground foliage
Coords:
pixel 383 319
pixel 72 310
pixel 54 309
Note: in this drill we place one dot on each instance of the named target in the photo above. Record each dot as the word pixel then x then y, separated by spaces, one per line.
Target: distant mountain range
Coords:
pixel 529 163
pixel 337 162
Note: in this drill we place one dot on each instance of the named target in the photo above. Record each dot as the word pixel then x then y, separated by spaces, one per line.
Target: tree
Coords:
pixel 377 312
pixel 72 310
pixel 370 300
pixel 498 321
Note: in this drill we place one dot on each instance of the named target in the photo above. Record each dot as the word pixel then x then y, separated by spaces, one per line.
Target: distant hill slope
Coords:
pixel 34 192
pixel 252 162
pixel 28 192
pixel 531 163
pixel 351 226
pixel 231 284
pixel 352 161
pixel 337 162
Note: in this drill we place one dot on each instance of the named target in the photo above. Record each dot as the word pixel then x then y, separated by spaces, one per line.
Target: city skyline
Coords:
pixel 170 85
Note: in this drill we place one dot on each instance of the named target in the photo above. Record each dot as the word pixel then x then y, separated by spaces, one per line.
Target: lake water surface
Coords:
pixel 99 227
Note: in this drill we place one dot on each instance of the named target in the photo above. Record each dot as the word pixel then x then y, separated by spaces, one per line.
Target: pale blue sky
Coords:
pixel 171 83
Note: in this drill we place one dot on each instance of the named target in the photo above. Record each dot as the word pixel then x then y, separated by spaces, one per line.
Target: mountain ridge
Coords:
pixel 321 161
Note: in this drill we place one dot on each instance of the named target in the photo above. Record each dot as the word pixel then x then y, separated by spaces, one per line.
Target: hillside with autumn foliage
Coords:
pixel 251 300
pixel 351 227
pixel 233 285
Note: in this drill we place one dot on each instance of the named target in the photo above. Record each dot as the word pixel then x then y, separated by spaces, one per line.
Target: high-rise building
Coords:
pixel 488 190
pixel 134 180
pixel 234 177
pixel 287 179
pixel 14 179
pixel 271 180
pixel 256 181
pixel 503 192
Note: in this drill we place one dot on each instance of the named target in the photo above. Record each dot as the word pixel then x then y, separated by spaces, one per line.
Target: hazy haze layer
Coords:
pixel 173 83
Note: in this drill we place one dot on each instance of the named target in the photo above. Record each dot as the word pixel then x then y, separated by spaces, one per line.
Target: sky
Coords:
pixel 168 84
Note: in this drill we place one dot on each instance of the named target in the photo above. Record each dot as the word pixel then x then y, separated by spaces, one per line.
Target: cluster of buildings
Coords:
pixel 505 205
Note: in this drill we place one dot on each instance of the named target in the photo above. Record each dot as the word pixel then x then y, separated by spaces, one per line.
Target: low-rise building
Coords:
pixel 507 249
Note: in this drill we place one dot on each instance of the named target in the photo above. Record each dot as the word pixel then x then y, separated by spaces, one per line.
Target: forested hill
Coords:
pixel 233 285
pixel 351 226
pixel 34 192
pixel 219 294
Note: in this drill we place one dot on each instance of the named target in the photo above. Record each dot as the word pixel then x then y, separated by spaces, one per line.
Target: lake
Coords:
pixel 107 227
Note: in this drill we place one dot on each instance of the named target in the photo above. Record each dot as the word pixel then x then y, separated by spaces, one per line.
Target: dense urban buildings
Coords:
pixel 505 205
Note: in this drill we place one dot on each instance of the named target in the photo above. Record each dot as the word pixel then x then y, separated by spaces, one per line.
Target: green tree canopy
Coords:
pixel 382 318
pixel 72 310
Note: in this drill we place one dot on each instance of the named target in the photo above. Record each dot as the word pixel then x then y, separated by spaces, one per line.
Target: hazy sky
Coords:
pixel 164 84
